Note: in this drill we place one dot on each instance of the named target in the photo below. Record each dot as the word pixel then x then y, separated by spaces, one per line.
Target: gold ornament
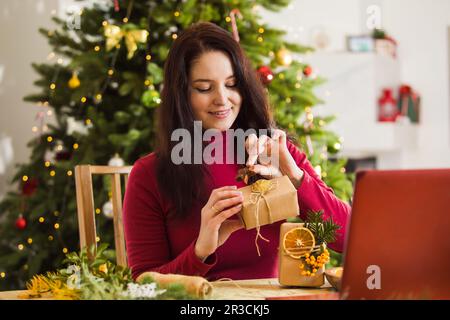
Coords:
pixel 74 82
pixel 284 57
pixel 114 35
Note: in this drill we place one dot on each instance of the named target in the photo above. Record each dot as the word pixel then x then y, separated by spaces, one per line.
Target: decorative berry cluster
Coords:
pixel 310 263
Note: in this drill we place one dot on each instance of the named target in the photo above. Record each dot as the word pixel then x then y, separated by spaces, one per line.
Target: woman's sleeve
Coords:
pixel 147 244
pixel 314 194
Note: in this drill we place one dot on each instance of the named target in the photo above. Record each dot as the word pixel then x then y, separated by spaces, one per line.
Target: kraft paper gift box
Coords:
pixel 289 272
pixel 268 201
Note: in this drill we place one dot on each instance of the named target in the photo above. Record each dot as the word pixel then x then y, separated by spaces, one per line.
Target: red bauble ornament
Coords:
pixel 116 6
pixel 21 223
pixel 29 187
pixel 63 155
pixel 307 71
pixel 266 74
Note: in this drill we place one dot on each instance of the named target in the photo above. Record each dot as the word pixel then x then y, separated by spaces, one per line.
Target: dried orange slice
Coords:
pixel 298 241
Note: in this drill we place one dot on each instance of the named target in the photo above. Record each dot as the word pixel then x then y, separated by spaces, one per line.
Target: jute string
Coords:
pixel 259 189
pixel 249 293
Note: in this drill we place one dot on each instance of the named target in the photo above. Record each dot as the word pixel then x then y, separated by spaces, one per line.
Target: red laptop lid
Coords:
pixel 398 242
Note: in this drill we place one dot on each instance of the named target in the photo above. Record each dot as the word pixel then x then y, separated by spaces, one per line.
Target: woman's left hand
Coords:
pixel 270 157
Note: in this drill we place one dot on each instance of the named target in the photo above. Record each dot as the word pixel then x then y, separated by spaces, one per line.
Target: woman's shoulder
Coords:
pixel 295 151
pixel 142 184
pixel 144 174
pixel 146 165
pixel 148 160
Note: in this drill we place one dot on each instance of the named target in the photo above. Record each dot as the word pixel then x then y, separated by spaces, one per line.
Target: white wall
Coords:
pixel 302 18
pixel 20 45
pixel 422 34
pixel 420 27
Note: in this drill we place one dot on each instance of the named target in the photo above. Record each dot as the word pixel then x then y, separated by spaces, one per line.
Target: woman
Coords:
pixel 182 218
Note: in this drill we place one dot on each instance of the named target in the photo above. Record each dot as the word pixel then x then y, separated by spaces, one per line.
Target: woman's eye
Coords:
pixel 231 85
pixel 202 90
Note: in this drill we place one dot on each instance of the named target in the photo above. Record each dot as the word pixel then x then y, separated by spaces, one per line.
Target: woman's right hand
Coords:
pixel 215 228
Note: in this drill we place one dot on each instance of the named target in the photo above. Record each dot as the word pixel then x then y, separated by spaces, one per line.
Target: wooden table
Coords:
pixel 261 289
pixel 258 289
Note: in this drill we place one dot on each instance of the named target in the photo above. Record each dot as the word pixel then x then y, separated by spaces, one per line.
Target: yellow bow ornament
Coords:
pixel 114 35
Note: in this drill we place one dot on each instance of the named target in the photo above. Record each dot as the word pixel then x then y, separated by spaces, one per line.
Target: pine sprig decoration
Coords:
pixel 97 278
pixel 324 230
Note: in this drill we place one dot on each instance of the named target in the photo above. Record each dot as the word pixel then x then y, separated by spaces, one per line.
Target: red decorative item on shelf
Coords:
pixel 21 223
pixel 385 44
pixel 387 107
pixel 266 74
pixel 29 187
pixel 405 89
pixel 408 104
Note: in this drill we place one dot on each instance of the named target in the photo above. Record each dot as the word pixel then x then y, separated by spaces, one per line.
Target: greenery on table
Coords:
pixel 97 278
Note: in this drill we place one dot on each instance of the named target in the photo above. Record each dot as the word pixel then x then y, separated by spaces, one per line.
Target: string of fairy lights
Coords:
pixel 283 57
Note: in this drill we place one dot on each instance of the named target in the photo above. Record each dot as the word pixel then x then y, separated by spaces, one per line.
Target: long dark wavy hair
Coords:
pixel 185 184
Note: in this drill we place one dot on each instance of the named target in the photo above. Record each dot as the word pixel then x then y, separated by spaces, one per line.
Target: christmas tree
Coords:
pixel 102 82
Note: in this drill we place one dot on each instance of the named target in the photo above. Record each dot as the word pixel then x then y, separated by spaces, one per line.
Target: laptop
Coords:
pixel 398 240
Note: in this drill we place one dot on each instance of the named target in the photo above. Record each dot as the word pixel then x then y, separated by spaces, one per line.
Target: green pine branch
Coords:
pixel 324 230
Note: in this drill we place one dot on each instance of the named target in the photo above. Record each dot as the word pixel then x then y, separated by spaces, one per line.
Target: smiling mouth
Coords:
pixel 221 114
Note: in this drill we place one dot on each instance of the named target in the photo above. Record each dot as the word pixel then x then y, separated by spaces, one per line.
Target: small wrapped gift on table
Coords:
pixel 301 262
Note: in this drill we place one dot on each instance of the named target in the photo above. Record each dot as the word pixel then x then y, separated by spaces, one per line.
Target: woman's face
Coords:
pixel 213 94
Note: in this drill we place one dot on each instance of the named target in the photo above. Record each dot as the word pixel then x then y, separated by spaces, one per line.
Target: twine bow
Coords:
pixel 114 35
pixel 259 189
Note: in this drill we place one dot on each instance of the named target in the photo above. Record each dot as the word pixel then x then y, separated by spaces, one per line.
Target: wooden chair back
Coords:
pixel 86 209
